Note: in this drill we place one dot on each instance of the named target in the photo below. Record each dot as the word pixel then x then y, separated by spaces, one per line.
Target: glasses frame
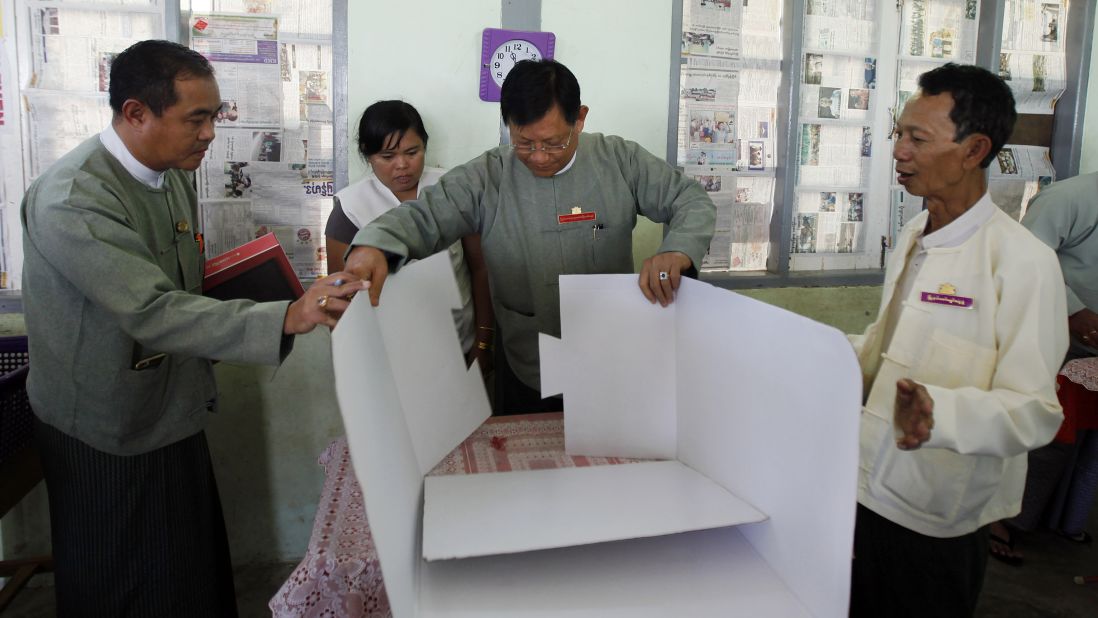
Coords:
pixel 545 148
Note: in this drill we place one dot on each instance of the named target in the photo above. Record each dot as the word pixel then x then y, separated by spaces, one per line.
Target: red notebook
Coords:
pixel 258 270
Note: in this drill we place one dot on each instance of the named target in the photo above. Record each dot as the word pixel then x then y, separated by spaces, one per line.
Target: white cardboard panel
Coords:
pixel 769 404
pixel 381 449
pixel 763 409
pixel 619 398
pixel 423 349
pixel 485 514
pixel 706 574
pixel 551 354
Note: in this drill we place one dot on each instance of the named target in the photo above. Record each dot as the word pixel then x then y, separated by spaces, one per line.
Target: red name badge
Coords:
pixel 574 217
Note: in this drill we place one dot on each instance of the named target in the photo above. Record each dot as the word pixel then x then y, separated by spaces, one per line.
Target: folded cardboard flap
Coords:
pixel 407 399
pixel 764 402
pixel 257 270
pixel 704 574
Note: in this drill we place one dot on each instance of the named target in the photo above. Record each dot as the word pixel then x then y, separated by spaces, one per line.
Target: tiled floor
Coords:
pixel 1040 588
pixel 1043 586
pixel 255 585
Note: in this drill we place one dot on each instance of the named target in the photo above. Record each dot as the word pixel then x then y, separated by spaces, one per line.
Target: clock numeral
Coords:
pixel 496 65
pixel 499 74
pixel 500 56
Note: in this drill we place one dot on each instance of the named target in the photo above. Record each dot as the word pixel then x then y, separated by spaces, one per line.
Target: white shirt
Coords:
pixel 367 199
pixel 952 235
pixel 114 145
pixel 990 367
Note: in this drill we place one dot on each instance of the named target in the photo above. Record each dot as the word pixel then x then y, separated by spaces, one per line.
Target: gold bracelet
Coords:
pixel 487 328
pixel 484 345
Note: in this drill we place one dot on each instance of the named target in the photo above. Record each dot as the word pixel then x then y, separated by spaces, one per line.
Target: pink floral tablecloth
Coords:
pixel 1078 393
pixel 340 575
pixel 1082 371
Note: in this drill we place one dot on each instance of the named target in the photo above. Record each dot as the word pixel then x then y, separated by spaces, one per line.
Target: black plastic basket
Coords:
pixel 16 418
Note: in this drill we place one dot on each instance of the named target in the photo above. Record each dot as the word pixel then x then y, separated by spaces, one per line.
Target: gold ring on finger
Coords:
pixel 322 302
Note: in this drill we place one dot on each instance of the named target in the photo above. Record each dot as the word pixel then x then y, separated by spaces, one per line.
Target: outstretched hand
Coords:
pixel 370 265
pixel 323 303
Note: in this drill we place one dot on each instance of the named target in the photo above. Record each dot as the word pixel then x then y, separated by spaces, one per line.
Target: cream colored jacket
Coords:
pixel 990 369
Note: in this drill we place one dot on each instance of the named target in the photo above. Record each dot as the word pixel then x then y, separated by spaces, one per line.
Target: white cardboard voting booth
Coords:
pixel 753 411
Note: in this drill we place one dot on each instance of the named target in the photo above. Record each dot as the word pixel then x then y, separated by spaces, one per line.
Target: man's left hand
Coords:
pixel 914 414
pixel 660 274
pixel 1084 325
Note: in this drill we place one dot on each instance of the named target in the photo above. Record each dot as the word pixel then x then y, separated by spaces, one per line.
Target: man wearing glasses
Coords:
pixel 556 201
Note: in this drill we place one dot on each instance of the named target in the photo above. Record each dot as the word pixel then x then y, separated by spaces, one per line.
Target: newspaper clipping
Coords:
pixel 941 30
pixel 270 167
pixel 840 25
pixel 729 81
pixel 1016 175
pixel 1032 60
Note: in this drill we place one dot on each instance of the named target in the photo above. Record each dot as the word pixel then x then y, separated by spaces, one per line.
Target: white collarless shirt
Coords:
pixel 955 233
pixel 114 145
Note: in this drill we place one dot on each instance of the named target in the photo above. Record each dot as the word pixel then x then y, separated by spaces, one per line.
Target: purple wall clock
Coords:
pixel 501 49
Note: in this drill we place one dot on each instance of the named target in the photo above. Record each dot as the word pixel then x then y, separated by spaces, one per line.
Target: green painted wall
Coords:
pixel 849 309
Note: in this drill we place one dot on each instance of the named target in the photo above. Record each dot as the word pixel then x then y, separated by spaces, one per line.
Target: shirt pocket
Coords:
pixel 942 485
pixel 612 248
pixel 951 361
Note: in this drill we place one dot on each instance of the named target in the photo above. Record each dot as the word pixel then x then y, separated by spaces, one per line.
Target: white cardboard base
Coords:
pixel 571 506
pixel 705 574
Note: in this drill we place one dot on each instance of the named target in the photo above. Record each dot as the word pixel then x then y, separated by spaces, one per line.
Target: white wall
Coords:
pixel 621 58
pixel 1089 157
pixel 622 61
pixel 428 54
pixel 435 67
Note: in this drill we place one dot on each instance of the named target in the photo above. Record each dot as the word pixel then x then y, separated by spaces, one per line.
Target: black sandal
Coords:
pixel 1083 538
pixel 1011 558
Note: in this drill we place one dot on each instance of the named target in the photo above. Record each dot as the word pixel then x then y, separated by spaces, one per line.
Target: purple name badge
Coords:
pixel 963 302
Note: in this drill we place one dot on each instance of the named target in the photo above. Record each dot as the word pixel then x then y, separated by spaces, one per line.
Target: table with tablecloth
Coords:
pixel 340 574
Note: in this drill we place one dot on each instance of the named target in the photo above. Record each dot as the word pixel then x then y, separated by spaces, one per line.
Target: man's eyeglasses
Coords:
pixel 549 149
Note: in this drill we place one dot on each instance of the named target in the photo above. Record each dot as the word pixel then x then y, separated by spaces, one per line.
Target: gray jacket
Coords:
pixel 119 333
pixel 526 244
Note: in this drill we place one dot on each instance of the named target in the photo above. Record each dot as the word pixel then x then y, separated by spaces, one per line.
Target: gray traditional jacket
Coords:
pixel 535 229
pixel 118 330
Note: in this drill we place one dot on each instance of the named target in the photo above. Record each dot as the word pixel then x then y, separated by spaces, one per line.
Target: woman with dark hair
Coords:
pixel 393 142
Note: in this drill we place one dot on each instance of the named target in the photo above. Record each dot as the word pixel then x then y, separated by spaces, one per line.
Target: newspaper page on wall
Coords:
pixel 838 94
pixel 270 166
pixel 729 78
pixel 8 143
pixel 71 50
pixel 1032 60
pixel 1016 175
pixel 58 74
pixel 932 33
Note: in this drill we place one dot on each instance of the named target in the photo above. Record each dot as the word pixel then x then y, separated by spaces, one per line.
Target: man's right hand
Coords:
pixel 1084 325
pixel 370 265
pixel 323 303
pixel 913 415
